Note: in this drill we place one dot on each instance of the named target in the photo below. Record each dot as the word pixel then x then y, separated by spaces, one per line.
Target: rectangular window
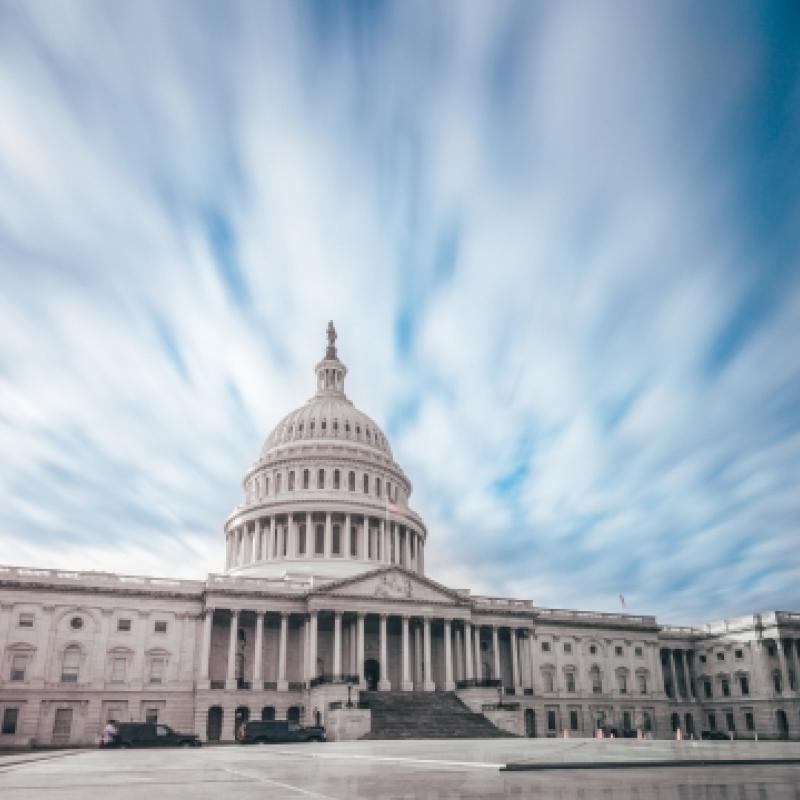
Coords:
pixel 702 659
pixel 70 665
pixel 726 688
pixel 545 647
pixel 730 720
pixel 123 625
pixel 749 722
pixel 118 669
pixel 160 626
pixel 638 652
pixel 567 647
pixel 18 664
pixel 642 684
pixel 62 722
pixel 712 721
pixel 156 670
pixel 151 716
pixel 570 682
pixel 744 685
pixel 25 620
pixel 573 719
pixel 622 682
pixel 626 721
pixel 10 716
pixel 618 651
pixel 548 681
pixel 551 720
pixel 739 654
pixel 707 688
pixel 720 656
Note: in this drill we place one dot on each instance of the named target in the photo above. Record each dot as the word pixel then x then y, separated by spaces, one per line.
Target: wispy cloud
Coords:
pixel 560 244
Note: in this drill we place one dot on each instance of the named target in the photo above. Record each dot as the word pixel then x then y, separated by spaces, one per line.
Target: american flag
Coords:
pixel 622 601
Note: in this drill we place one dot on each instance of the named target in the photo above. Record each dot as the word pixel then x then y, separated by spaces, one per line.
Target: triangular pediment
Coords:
pixel 393 583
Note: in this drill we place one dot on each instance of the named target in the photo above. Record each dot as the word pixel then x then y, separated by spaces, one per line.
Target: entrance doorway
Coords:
pixel 293 714
pixel 214 724
pixel 268 713
pixel 782 723
pixel 240 717
pixel 372 674
pixel 530 723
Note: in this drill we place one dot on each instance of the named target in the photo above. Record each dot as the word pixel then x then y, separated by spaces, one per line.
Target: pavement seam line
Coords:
pixel 407 760
pixel 289 786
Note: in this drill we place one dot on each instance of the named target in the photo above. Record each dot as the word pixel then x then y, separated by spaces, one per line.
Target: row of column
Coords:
pixel 688 685
pixel 781 645
pixel 293 536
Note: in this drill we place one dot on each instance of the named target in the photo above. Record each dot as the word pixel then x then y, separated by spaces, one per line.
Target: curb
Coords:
pixel 702 762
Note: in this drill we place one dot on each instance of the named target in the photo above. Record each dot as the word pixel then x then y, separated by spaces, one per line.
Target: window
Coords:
pixel 160 626
pixel 70 664
pixel 626 721
pixel 729 720
pixel 123 625
pixel 738 654
pixel 720 656
pixel 702 659
pixel 10 716
pixel 311 426
pixel 548 681
pixel 378 487
pixel 618 651
pixel 551 720
pixel 545 647
pixel 291 480
pixel 744 685
pixel 353 541
pixel 749 722
pixel 597 684
pixel 324 425
pixel 305 479
pixel 366 483
pixel 337 540
pixel 638 652
pixel 622 683
pixel 777 682
pixel 642 684
pixel 278 483
pixel 266 486
pixel 151 716
pixel 593 649
pixel 336 426
pixel 319 540
pixel 573 719
pixel 792 680
pixel 76 623
pixel 25 620
pixel 321 479
pixel 771 650
pixel 726 687
pixel 351 481
pixel 118 669
pixel 156 670
pixel 301 539
pixel 336 479
pixel 647 721
pixel 18 664
pixel 712 721
pixel 570 676
pixel 707 688
pixel 567 647
pixel 62 722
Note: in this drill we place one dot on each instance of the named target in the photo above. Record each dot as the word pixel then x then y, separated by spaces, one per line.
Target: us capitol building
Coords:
pixel 324 614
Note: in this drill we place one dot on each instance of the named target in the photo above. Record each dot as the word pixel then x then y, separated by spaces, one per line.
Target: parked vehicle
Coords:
pixel 278 730
pixel 716 735
pixel 144 734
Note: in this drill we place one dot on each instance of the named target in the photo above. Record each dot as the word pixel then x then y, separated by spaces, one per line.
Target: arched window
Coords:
pixel 300 427
pixel 324 425
pixel 306 479
pixel 291 481
pixel 293 714
pixel 378 487
pixel 337 540
pixel 336 426
pixel 351 481
pixel 597 681
pixel 336 479
pixel 366 483
pixel 71 664
pixel 321 479
pixel 347 427
pixel 268 713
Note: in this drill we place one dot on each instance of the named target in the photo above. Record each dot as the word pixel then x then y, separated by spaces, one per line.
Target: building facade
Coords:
pixel 324 595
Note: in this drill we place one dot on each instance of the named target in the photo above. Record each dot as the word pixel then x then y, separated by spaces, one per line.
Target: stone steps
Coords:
pixel 425 715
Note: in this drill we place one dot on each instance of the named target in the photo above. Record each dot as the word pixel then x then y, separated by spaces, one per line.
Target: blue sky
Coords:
pixel 559 242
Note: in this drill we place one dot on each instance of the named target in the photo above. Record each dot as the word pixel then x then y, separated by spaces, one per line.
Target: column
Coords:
pixel 306 648
pixel 449 683
pixel 406 685
pixel 514 660
pixel 396 541
pixel 346 543
pixel 532 649
pixel 328 534
pixel 272 545
pixel 428 684
pixel 312 646
pixel 291 536
pixel 258 657
pixel 417 678
pixel 477 650
pixel 795 664
pixel 407 556
pixel 337 644
pixel 360 648
pixel 282 642
pixel 468 674
pixel 382 540
pixel 383 683
pixel 674 669
pixel 205 650
pixel 365 539
pixel 458 655
pixel 686 676
pixel 309 543
pixel 254 542
pixel 496 654
pixel 230 678
pixel 784 667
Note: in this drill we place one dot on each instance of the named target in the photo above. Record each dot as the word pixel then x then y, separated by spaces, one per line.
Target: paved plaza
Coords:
pixel 407 769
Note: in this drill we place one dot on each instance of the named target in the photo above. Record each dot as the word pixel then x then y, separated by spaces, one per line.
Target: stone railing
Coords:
pixel 242 583
pixel 503 603
pixel 593 617
pixel 321 679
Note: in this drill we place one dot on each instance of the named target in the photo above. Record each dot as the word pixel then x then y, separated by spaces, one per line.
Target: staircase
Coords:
pixel 426 715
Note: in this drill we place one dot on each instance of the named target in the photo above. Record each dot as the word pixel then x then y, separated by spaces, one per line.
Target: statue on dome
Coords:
pixel 330 351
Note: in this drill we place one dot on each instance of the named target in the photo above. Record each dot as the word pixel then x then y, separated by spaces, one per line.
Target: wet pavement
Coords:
pixel 429 770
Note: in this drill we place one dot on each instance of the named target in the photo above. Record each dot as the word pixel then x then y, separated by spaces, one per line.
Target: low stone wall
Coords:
pixel 510 720
pixel 346 724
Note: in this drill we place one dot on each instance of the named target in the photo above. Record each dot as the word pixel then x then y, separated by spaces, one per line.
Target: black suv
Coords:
pixel 277 730
pixel 143 734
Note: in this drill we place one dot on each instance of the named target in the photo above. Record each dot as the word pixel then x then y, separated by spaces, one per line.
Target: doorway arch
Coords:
pixel 676 722
pixel 372 674
pixel 530 723
pixel 293 714
pixel 240 717
pixel 689 723
pixel 268 713
pixel 214 724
